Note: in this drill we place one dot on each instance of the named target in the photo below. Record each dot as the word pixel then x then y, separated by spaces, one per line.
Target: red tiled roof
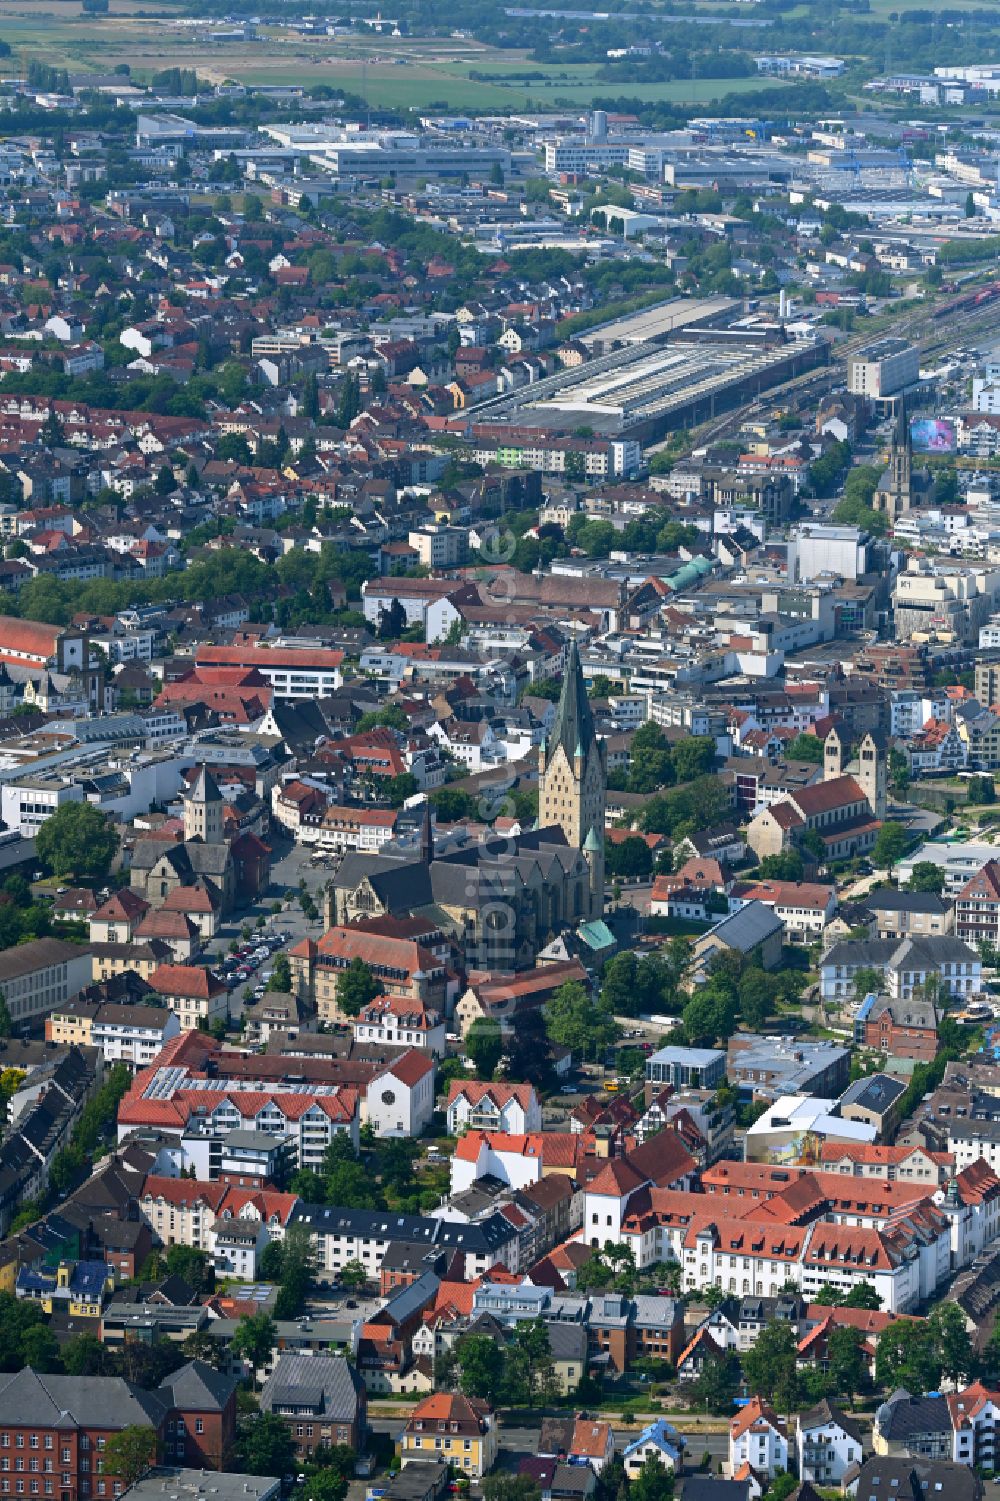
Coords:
pixel 185 979
pixel 755 1413
pixel 826 797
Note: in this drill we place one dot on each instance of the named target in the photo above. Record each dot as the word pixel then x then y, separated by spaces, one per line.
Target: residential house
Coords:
pixel 511 1108
pixel 758 1438
pixel 320 1398
pixel 828 1444
pixel 196 996
pixel 448 1428
pixel 397 1020
pixel 914 914
pixel 977 907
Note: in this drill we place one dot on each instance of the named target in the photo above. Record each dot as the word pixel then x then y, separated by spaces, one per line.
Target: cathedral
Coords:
pixel 573 778
pixel 503 899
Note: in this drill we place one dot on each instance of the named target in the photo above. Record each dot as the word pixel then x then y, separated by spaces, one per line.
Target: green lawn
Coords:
pixel 405 73
pixel 416 86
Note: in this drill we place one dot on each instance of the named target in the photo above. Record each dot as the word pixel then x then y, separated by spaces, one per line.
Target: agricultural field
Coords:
pixel 392 72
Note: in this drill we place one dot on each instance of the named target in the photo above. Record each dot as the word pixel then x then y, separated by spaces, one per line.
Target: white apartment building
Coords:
pixel 343 1235
pixel 398 1021
pixel 827 1444
pixel 883 368
pixel 295 670
pixel 342 829
pixel 132 1034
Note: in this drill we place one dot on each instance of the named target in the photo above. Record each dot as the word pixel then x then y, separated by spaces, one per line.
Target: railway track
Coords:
pixel 919 327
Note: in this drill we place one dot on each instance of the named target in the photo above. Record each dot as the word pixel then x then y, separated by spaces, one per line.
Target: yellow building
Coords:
pixel 72 1023
pixel 78 1287
pixel 447 1428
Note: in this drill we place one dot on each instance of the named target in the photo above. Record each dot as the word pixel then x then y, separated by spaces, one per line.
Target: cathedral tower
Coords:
pixel 573 778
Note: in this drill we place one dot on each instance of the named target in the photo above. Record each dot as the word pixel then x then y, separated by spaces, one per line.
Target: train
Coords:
pixel 967 301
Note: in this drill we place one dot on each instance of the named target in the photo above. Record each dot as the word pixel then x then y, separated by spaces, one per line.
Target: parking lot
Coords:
pixel 290 865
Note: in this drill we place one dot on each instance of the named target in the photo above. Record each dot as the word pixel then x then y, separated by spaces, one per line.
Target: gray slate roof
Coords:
pixel 877 1092
pixel 44 1401
pixel 327 1382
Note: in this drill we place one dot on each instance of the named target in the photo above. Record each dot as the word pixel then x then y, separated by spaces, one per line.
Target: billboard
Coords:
pixel 932 435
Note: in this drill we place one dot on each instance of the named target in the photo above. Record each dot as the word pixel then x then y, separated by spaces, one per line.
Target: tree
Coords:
pixel 717 1384
pixel 325 1485
pixel 310 398
pixel 868 981
pixel 130 1453
pixel 812 843
pixel 253 1339
pixel 335 1459
pixel 654 1481
pixel 200 1345
pixel 862 1295
pixel 452 804
pixel 907 1356
pixel 40 1349
pixel 927 876
pixel 630 858
pixel 356 988
pixel 899 772
pixel 784 867
pixel 531 1374
pixel 349 402
pixel 78 840
pixel 503 1487
pixel 392 622
pixel 399 788
pixel 345 1181
pixel 770 1367
pixel 264 1445
pixel 693 757
pixel 991 1357
pixel 191 1264
pixel 165 484
pixel 484 1045
pixel 952 1343
pixel 805 748
pixel 281 975
pixel 482 1365
pixel 85 1355
pixel 353 1276
pixel 6 1024
pixel 846 1361
pixel 572 1020
pixel 891 844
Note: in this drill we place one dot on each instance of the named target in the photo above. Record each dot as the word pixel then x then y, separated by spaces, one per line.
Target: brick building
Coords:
pixel 54 1430
pixel 321 1398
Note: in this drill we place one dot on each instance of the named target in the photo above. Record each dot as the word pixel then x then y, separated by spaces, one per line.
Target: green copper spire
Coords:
pixel 573 727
